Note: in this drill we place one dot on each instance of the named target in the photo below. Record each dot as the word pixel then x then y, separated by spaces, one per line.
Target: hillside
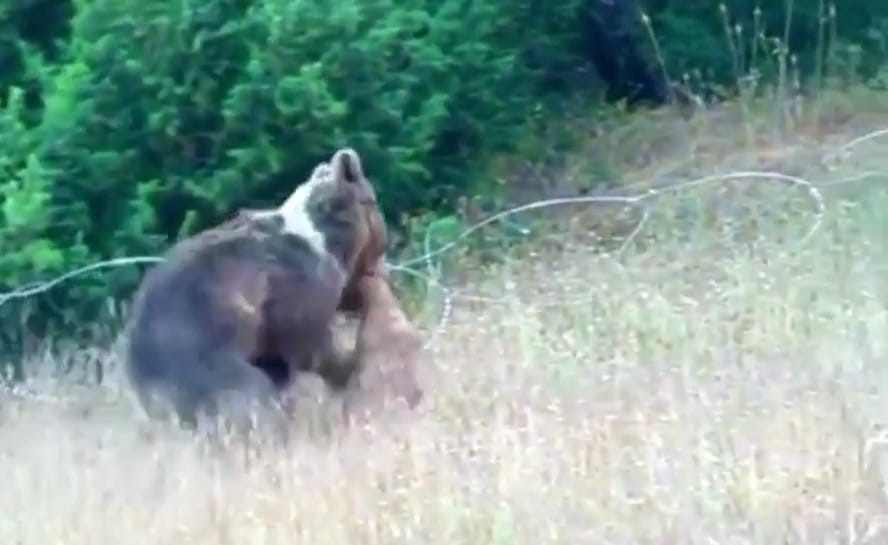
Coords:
pixel 720 378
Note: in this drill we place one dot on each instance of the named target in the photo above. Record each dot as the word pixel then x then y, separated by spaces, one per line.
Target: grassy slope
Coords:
pixel 717 383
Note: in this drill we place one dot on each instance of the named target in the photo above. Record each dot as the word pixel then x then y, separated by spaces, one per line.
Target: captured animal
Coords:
pixel 217 327
pixel 388 351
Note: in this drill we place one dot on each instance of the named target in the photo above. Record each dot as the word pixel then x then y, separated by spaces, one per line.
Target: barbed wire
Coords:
pixel 844 149
pixel 432 278
pixel 36 288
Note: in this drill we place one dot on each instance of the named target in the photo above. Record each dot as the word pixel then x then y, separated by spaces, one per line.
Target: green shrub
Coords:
pixel 160 118
pixel 126 124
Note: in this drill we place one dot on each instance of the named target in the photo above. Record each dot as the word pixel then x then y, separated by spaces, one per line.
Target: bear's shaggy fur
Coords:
pixel 261 288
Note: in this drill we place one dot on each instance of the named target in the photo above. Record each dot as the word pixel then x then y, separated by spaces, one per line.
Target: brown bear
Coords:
pixel 384 362
pixel 262 287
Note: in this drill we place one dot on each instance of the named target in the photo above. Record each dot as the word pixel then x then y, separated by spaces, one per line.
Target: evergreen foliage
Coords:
pixel 125 124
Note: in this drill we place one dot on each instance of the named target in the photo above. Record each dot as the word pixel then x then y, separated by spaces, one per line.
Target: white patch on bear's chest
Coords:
pixel 297 220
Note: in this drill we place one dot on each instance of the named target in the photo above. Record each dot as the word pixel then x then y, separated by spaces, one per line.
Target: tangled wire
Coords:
pixel 446 293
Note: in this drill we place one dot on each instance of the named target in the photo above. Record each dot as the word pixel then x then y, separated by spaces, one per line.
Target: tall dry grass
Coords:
pixel 723 380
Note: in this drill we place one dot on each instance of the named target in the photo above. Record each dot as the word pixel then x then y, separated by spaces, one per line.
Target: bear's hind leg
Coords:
pixel 246 405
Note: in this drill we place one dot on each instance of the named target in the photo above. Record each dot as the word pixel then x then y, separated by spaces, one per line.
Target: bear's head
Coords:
pixel 335 211
pixel 367 252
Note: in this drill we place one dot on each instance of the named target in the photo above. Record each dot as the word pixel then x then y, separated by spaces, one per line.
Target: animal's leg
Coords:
pixel 389 348
pixel 333 363
pixel 336 364
pixel 247 403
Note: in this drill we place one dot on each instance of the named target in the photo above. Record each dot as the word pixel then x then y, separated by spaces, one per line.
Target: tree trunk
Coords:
pixel 620 48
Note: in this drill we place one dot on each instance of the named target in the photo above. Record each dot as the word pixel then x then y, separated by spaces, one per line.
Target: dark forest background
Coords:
pixel 125 124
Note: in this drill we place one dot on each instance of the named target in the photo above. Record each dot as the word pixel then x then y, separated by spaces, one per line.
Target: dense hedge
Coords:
pixel 128 123
pixel 158 118
pixel 724 39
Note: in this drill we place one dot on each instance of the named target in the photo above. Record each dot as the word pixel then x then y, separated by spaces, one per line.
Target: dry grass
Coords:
pixel 717 384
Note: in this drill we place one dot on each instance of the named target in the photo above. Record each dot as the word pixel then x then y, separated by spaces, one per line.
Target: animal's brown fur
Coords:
pixel 388 349
pixel 249 290
pixel 370 259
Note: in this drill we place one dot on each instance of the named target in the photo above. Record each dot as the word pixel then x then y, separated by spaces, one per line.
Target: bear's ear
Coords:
pixel 347 166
